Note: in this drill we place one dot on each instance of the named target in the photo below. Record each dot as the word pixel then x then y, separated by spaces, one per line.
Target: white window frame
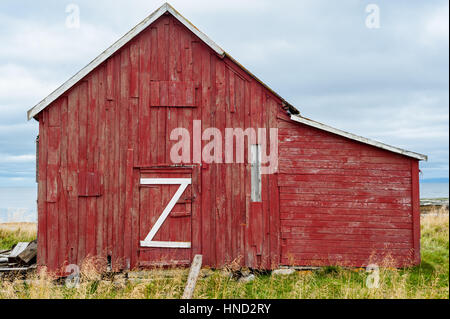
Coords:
pixel 256 173
pixel 184 183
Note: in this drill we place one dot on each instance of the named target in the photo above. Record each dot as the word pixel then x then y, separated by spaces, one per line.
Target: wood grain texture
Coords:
pixel 343 202
pixel 113 127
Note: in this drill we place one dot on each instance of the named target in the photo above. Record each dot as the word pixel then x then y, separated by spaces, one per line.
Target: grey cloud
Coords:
pixel 390 84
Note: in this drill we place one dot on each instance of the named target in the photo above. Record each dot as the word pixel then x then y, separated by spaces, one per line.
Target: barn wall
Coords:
pixel 96 138
pixel 344 202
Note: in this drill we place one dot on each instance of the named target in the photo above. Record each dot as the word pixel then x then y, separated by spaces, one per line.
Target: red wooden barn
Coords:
pixel 108 186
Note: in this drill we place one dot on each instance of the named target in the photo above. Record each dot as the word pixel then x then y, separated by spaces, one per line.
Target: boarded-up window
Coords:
pixel 256 173
pixel 89 184
pixel 172 93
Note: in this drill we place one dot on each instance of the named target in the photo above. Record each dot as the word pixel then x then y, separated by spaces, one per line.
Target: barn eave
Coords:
pixel 164 9
pixel 324 127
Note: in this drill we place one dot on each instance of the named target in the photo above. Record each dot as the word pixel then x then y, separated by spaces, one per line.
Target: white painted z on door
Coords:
pixel 184 183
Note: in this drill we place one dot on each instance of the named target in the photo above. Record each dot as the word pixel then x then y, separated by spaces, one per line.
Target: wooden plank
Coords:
pixel 327 216
pixel 62 186
pixel 72 184
pixel 345 223
pixel 196 219
pixel 274 194
pixel 128 208
pixel 197 186
pixel 207 210
pixel 101 161
pixel 42 190
pixel 16 251
pixel 145 151
pixel 241 110
pixel 343 230
pixel 333 250
pixel 346 198
pixel 219 170
pixel 192 278
pixel 92 183
pixel 300 203
pixel 82 166
pixel 229 173
pixel 135 68
pixel 29 253
pixel 53 194
pixel 344 191
pixel 135 221
pixel 124 119
pixel 345 243
pixel 345 211
pixel 116 160
pixel 343 171
pixel 415 210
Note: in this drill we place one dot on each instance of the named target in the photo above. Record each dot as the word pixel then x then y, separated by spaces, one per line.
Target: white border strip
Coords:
pixel 358 138
pixel 165 181
pixel 165 244
pixel 115 47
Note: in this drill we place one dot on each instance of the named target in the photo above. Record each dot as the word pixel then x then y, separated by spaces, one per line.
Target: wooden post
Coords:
pixel 192 279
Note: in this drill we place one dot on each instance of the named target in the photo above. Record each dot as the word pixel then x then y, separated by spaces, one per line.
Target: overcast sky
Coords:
pixel 388 83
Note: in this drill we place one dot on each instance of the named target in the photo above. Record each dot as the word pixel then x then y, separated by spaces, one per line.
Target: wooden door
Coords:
pixel 165 214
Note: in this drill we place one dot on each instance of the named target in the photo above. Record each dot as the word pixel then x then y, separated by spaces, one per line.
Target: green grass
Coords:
pixel 429 280
pixel 11 234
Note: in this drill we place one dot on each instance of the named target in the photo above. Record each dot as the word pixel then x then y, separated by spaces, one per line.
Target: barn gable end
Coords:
pixel 112 128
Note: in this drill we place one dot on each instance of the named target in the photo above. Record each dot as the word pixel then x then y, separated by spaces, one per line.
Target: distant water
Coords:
pixel 18 205
pixel 434 190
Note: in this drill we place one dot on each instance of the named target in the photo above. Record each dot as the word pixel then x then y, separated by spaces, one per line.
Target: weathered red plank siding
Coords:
pixel 117 121
pixel 333 200
pixel 344 202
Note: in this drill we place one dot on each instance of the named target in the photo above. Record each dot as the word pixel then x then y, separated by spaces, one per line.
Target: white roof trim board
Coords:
pixel 357 138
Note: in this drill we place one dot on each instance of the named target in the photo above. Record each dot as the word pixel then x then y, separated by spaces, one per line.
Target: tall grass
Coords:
pixel 429 280
pixel 11 234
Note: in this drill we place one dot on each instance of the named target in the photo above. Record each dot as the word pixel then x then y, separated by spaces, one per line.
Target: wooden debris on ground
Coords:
pixel 29 253
pixel 21 258
pixel 20 247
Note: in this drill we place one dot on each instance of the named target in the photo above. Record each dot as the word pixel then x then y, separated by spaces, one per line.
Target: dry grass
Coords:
pixel 429 280
pixel 12 233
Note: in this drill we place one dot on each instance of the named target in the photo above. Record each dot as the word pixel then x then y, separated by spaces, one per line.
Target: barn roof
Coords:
pixel 306 121
pixel 167 8
pixel 128 37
